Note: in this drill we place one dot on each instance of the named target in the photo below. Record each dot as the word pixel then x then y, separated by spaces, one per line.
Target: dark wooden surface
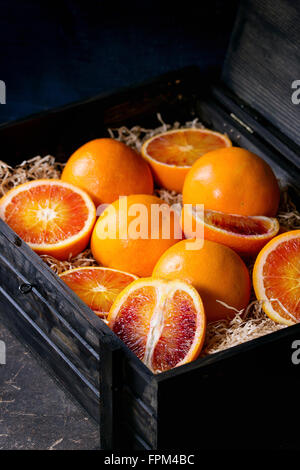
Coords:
pixel 35 413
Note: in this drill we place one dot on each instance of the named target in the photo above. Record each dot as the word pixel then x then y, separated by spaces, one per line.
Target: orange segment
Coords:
pixel 176 340
pixel 276 278
pixel 245 235
pixel 162 322
pixel 53 217
pixel 132 323
pixel 98 287
pixel 171 154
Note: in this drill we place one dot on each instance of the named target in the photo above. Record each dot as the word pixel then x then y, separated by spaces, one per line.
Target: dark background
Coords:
pixel 54 53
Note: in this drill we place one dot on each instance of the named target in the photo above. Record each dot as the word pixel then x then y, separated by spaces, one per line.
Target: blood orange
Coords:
pixel 234 181
pixel 98 287
pixel 276 278
pixel 245 235
pixel 171 154
pixel 53 217
pixel 217 272
pixel 107 169
pixel 128 236
pixel 162 322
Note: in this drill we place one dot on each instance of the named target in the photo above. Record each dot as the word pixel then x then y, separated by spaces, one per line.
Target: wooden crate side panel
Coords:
pixel 47 320
pixel 18 274
pixel 137 416
pixel 214 116
pixel 17 255
pixel 77 386
pixel 242 399
pixel 127 414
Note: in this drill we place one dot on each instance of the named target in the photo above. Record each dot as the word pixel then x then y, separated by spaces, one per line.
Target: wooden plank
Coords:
pixel 110 371
pixel 262 61
pixel 138 416
pixel 119 405
pixel 214 116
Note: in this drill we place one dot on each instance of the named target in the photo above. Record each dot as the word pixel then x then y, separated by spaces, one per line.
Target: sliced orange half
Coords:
pixel 98 287
pixel 53 217
pixel 162 322
pixel 276 278
pixel 171 154
pixel 245 235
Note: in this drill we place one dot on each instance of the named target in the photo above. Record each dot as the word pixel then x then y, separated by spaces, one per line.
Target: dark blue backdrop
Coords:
pixel 54 53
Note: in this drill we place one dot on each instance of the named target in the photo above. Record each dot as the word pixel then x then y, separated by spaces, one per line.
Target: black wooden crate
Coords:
pixel 244 397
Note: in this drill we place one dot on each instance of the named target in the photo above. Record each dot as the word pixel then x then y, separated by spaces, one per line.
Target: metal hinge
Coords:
pixel 242 123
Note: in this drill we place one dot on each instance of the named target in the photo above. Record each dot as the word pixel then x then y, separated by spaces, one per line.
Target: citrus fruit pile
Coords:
pixel 158 282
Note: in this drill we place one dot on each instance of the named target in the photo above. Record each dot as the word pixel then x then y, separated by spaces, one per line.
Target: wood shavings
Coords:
pixel 33 169
pixel 82 260
pixel 245 326
pixel 288 216
pixel 136 136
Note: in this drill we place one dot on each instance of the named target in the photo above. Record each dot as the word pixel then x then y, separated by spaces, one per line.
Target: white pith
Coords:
pixel 46 214
pixel 101 268
pixel 156 326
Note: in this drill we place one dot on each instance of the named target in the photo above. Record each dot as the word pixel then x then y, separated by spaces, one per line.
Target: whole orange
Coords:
pixel 128 236
pixel 216 271
pixel 234 181
pixel 107 169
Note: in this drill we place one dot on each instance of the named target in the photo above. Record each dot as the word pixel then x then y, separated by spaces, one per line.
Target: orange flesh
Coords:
pixel 179 316
pixel 178 332
pixel 183 148
pixel 281 277
pixel 133 322
pixel 236 224
pixel 47 214
pixel 98 288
